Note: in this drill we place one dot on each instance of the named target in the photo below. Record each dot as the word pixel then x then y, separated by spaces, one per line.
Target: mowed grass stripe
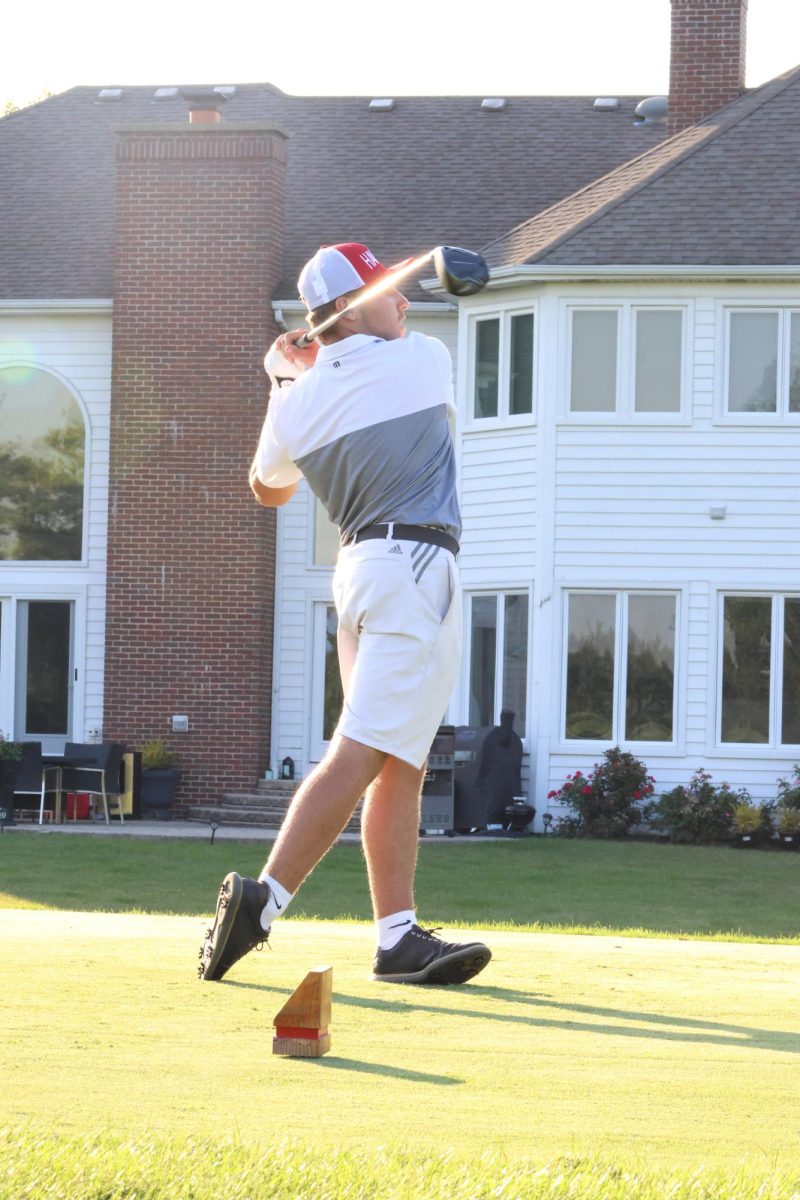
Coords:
pixel 534 883
pixel 647 1053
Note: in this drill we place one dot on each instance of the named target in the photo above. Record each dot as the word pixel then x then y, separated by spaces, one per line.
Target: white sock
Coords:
pixel 278 901
pixel 391 929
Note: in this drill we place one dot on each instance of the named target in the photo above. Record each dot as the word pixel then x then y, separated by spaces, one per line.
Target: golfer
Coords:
pixel 363 416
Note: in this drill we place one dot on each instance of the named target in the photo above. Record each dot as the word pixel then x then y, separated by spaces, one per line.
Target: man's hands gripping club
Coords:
pixel 284 361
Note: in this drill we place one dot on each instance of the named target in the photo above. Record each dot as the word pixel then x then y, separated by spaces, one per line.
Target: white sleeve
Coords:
pixel 273 466
pixel 444 364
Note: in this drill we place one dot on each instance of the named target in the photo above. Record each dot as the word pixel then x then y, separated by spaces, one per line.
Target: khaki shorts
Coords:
pixel 400 629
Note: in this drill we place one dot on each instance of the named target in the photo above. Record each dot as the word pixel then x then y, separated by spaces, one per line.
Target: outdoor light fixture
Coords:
pixel 547 821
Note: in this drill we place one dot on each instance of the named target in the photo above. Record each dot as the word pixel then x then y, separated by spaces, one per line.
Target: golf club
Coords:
pixel 460 272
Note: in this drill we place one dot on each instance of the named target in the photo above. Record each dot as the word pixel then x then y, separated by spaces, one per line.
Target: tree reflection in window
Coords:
pixel 42 450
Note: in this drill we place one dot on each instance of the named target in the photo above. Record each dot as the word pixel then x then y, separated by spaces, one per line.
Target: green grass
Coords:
pixel 654 1055
pixel 147 1168
pixel 536 883
pixel 604 1067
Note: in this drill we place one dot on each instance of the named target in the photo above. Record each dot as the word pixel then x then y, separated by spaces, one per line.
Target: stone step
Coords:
pixel 255 811
pixel 255 800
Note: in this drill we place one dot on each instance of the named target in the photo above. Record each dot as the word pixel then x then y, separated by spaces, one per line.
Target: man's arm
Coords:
pixel 270 497
pixel 283 363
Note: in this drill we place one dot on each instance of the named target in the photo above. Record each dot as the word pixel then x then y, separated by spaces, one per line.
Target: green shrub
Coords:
pixel 788 821
pixel 789 790
pixel 608 802
pixel 699 812
pixel 746 818
pixel 9 751
pixel 157 756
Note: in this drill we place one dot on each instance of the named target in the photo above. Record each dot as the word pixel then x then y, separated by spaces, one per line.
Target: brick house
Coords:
pixel 147 259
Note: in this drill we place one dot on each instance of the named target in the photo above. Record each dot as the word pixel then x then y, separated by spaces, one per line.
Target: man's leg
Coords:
pixel 322 806
pixel 390 836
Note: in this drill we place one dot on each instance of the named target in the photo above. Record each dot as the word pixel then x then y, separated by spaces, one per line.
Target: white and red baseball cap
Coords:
pixel 335 270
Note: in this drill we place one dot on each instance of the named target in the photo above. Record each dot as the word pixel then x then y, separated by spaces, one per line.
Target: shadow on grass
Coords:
pixel 665 1027
pixel 351 1064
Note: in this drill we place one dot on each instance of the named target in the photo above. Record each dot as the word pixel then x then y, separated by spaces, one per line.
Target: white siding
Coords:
pixel 77 348
pixel 625 504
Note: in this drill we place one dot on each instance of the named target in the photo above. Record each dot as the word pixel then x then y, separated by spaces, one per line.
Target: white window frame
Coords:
pixel 10 598
pixel 498 594
pixel 316 709
pixel 625 408
pixel 784 313
pixel 621 595
pixel 773 746
pixel 503 313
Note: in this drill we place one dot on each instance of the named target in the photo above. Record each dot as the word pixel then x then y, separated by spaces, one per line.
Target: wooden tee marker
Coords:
pixel 301 1027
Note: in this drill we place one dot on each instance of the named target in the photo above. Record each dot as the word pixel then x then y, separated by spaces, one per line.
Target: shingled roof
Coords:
pixel 432 170
pixel 723 192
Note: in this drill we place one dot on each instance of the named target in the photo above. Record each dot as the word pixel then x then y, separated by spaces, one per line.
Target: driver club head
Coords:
pixel 460 272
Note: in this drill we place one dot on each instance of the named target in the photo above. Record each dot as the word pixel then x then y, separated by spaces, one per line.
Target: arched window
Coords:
pixel 42 454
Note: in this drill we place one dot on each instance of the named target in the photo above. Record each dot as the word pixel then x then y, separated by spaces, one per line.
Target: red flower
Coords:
pixel 550 795
pixel 637 795
pixel 587 791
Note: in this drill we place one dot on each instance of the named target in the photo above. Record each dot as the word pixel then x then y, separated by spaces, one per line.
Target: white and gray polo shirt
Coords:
pixel 367 426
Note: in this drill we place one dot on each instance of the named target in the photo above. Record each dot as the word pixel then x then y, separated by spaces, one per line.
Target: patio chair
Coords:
pixel 34 779
pixel 95 768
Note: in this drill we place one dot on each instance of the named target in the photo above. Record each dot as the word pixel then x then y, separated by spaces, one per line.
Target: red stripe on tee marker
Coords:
pixel 293 1031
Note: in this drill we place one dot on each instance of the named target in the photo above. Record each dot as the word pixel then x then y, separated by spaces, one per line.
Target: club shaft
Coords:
pixel 377 289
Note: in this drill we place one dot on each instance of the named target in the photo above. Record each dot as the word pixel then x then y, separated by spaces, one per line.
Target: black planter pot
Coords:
pixel 8 778
pixel 158 792
pixel 747 841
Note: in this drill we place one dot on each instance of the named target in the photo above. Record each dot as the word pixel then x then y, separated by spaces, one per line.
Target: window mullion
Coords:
pixel 619 717
pixel 504 367
pixel 776 672
pixel 784 348
pixel 499 656
pixel 626 386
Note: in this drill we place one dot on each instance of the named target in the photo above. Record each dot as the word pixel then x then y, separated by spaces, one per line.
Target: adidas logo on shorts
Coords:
pixel 395 549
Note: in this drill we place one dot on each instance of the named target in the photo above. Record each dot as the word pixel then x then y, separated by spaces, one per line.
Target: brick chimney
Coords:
pixel 707 58
pixel 191 560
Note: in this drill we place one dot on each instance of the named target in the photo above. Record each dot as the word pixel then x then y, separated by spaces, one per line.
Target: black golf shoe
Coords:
pixel 237 925
pixel 422 957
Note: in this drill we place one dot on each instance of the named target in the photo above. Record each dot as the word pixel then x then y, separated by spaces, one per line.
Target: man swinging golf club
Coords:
pixel 363 416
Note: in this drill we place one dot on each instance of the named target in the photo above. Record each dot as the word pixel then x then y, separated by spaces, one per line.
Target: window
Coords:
pixel 763 362
pixel 498 658
pixel 620 667
pixel 326 692
pixel 503 365
pixel 326 535
pixel 38 675
pixel 626 360
pixel 44 668
pixel 41 468
pixel 760 671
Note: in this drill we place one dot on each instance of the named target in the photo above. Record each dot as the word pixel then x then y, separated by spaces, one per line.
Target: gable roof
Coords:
pixel 722 192
pixel 433 170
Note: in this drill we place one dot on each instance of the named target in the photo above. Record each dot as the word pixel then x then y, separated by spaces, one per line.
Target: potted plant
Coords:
pixel 789 827
pixel 160 778
pixel 747 822
pixel 10 755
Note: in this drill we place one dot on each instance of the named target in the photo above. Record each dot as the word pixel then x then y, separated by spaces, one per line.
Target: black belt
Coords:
pixel 405 533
